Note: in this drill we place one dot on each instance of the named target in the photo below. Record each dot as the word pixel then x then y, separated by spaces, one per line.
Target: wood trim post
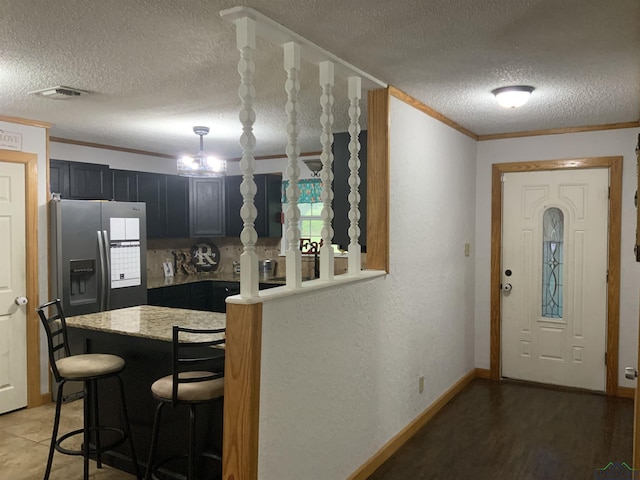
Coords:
pixel 378 180
pixel 613 282
pixel 30 162
pixel 242 392
pixel 614 164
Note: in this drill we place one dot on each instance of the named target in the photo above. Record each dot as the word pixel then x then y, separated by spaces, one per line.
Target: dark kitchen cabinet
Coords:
pixel 125 185
pixel 152 190
pixel 80 181
pixel 177 206
pixel 206 207
pixel 341 189
pixel 268 202
pixel 166 197
pixel 205 295
pixel 59 177
pixel 89 181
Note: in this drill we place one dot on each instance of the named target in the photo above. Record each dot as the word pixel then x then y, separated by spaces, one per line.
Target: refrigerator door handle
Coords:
pixel 107 275
pixel 103 271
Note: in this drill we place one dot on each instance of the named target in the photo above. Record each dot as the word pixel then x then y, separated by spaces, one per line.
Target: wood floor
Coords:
pixel 508 431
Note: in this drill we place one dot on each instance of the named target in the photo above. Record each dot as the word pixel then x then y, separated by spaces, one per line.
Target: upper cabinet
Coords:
pixel 80 181
pixel 341 189
pixel 206 206
pixel 268 202
pixel 125 185
pixel 167 199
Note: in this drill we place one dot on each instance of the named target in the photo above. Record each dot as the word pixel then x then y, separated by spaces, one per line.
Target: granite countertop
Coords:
pixel 147 321
pixel 157 282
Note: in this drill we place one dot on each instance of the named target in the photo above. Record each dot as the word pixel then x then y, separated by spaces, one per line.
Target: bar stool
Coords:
pixel 186 386
pixel 88 369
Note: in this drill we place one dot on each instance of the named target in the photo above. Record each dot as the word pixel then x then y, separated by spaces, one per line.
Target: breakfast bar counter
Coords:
pixel 142 336
pixel 146 321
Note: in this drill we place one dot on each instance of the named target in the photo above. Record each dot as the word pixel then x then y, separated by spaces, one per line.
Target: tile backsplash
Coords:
pixel 161 250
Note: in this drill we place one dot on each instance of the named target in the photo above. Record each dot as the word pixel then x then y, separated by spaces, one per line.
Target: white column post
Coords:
pixel 292 216
pixel 326 175
pixel 246 43
pixel 355 93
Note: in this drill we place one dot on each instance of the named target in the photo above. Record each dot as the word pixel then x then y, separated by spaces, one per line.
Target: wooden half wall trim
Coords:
pixel 242 392
pixel 378 180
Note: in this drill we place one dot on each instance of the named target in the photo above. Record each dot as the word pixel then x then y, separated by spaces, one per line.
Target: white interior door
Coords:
pixel 13 318
pixel 554 258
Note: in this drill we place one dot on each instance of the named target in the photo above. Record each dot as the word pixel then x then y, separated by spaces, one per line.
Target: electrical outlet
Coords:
pixel 421 384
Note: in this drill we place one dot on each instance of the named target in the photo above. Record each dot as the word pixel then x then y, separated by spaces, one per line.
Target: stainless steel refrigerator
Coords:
pixel 98 260
pixel 98 255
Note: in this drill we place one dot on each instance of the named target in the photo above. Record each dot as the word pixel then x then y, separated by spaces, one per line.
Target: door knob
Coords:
pixel 21 300
pixel 630 372
pixel 506 287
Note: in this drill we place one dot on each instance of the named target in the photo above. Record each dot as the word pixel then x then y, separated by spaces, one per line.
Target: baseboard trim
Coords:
pixel 389 448
pixel 483 373
pixel 626 392
pixel 45 398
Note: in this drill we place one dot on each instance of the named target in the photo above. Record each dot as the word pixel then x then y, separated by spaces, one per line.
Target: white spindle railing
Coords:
pixel 326 175
pixel 292 86
pixel 355 92
pixel 246 43
pixel 295 46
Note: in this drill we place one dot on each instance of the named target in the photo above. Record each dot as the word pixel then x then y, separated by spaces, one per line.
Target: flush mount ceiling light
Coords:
pixel 513 97
pixel 201 164
pixel 313 164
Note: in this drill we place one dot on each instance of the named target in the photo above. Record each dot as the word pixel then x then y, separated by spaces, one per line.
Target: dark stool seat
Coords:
pixel 191 387
pixel 89 369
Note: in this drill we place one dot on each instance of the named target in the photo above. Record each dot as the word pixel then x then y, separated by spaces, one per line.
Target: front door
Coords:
pixel 13 318
pixel 554 273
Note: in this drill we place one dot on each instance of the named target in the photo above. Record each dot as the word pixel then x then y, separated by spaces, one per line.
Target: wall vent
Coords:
pixel 59 92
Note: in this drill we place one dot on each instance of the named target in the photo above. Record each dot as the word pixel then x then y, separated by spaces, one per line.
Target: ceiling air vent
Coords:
pixel 58 92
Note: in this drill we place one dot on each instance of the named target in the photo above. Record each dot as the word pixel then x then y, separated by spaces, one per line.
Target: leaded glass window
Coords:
pixel 552 260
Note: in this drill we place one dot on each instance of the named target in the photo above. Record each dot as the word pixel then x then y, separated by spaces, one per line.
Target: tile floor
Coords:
pixel 24 446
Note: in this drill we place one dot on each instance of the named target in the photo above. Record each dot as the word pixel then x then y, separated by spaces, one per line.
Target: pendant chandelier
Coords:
pixel 201 164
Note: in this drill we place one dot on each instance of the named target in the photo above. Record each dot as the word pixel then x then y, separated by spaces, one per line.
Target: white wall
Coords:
pixel 340 367
pixel 551 147
pixel 113 158
pixel 147 163
pixel 34 140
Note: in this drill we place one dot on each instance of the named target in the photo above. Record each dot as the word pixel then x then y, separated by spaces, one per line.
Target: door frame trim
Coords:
pixel 614 165
pixel 30 161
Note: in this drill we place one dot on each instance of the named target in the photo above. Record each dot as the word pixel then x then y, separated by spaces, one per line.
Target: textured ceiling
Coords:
pixel 155 68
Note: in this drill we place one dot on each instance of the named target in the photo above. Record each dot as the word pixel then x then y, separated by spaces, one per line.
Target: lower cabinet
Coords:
pixel 209 296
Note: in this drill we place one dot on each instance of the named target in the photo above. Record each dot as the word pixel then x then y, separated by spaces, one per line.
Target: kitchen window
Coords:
pixel 310 207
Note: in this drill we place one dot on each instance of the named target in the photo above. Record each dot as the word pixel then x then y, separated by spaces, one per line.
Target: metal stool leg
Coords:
pixel 192 443
pixel 86 429
pixel 127 429
pixel 96 420
pixel 154 440
pixel 54 437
